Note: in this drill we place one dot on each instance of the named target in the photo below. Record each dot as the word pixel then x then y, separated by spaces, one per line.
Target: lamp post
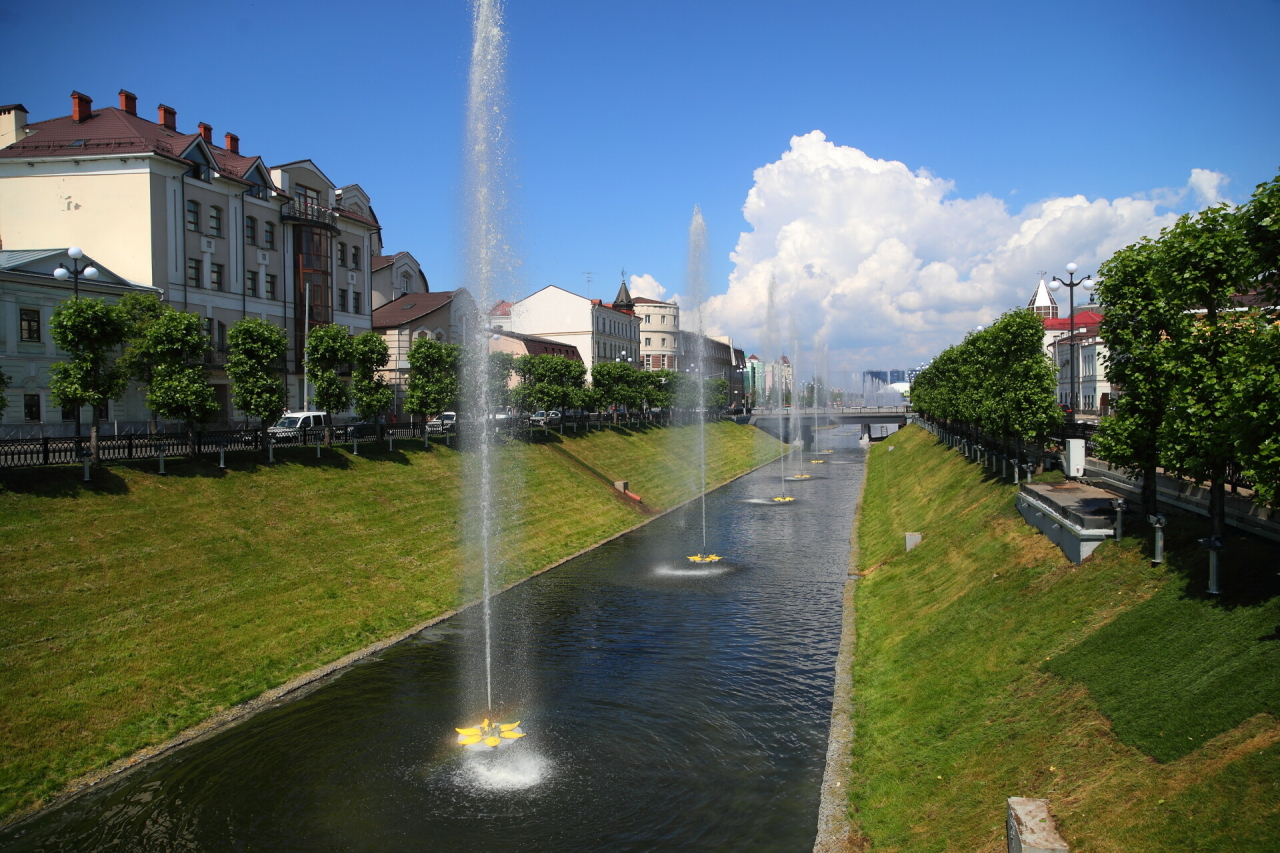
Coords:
pixel 88 271
pixel 1071 284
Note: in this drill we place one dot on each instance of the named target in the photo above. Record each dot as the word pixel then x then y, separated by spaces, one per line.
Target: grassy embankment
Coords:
pixel 989 666
pixel 136 606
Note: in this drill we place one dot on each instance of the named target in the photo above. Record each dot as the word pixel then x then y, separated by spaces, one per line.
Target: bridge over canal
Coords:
pixel 779 423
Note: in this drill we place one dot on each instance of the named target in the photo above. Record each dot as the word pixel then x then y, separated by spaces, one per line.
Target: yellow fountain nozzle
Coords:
pixel 489 735
pixel 704 558
pixel 784 498
pixel 817 461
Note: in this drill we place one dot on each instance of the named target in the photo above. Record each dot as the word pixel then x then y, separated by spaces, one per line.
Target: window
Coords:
pixel 70 413
pixel 355 257
pixel 222 335
pixel 355 302
pixel 29 325
pixel 342 254
pixel 406 281
pixel 251 282
pixel 215 222
pixel 646 318
pixel 215 276
pixel 31 408
pixel 100 413
pixel 208 328
pixel 664 319
pixel 251 230
pixel 664 342
pixel 269 235
pixel 306 195
pixel 342 299
pixel 648 342
pixel 193 272
pixel 271 285
pixel 193 216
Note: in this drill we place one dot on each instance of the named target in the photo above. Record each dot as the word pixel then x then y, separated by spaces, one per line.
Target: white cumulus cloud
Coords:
pixel 646 286
pixel 889 267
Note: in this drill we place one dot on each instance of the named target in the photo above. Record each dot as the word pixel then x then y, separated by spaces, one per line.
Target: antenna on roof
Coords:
pixel 588 275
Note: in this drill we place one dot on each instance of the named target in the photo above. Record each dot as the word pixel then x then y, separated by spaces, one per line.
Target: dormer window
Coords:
pixel 200 165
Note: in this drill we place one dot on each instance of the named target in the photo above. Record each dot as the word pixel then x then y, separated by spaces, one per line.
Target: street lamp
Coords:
pixel 62 273
pixel 1071 284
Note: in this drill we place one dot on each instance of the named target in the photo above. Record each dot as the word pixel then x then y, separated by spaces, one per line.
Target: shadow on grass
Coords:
pixel 62 481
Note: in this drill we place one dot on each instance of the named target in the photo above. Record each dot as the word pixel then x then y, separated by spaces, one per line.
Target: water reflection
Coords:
pixel 668 705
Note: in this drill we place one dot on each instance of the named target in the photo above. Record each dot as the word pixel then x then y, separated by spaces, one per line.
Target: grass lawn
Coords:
pixel 138 605
pixel 989 666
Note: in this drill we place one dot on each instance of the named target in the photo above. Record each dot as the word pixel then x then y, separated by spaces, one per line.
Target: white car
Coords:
pixel 446 422
pixel 293 423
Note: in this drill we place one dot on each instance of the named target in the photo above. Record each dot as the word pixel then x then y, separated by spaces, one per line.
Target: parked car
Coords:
pixel 445 422
pixel 545 419
pixel 293 423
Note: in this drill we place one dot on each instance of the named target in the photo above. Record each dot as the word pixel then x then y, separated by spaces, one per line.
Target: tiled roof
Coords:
pixel 644 300
pixel 542 346
pixel 409 307
pixel 500 308
pixel 380 261
pixel 350 214
pixel 111 130
pixel 1063 324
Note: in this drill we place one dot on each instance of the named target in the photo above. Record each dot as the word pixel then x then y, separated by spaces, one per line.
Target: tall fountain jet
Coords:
pixel 696 289
pixel 489 269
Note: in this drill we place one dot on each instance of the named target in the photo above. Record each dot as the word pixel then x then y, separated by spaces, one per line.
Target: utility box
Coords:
pixel 913 539
pixel 1073 459
pixel 1032 829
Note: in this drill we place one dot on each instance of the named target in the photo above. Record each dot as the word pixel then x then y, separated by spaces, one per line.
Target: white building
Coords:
pixel 216 231
pixel 659 334
pixel 600 332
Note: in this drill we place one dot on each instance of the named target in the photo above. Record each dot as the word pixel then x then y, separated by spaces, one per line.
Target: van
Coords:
pixel 293 423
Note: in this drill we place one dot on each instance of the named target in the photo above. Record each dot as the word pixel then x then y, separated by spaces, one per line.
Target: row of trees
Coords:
pixel 1194 346
pixel 998 381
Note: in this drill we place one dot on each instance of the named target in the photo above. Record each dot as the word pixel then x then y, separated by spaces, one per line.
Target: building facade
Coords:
pixel 448 316
pixel 213 229
pixel 659 334
pixel 598 331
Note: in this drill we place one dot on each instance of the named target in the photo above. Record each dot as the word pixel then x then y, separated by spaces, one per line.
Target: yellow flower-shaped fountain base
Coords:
pixel 489 735
pixel 801 477
pixel 784 499
pixel 704 558
pixel 826 451
pixel 817 461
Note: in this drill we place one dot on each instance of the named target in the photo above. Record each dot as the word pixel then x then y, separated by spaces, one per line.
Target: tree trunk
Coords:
pixel 1150 499
pixel 93 443
pixel 1218 500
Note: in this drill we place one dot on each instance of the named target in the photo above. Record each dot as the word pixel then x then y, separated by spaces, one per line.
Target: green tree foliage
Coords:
pixel 173 346
pixel 256 347
pixel 90 331
pixel 434 379
pixel 370 391
pixel 1256 413
pixel 328 351
pixel 999 381
pixel 549 382
pixel 502 366
pixel 1260 222
pixel 619 384
pixel 1206 259
pixel 1143 320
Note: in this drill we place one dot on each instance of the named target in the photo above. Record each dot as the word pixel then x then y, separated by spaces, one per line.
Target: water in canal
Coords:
pixel 669 707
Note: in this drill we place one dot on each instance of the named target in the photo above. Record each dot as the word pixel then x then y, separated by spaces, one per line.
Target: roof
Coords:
pixel 1063 324
pixel 409 307
pixel 501 308
pixel 111 130
pixel 542 346
pixel 644 300
pixel 43 262
pixel 1042 298
pixel 380 261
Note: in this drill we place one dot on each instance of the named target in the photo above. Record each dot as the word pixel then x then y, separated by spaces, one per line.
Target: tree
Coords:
pixel 618 383
pixel 549 382
pixel 90 331
pixel 1256 414
pixel 1143 320
pixel 370 390
pixel 255 347
pixel 1205 258
pixel 1260 222
pixel 502 365
pixel 141 309
pixel 328 350
pixel 4 386
pixel 434 380
pixel 173 346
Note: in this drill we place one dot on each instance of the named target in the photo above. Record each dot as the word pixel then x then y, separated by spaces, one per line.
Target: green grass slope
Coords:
pixel 138 605
pixel 989 666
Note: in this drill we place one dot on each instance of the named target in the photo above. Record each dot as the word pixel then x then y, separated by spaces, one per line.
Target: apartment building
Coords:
pixel 600 332
pixel 215 230
pixel 448 316
pixel 659 334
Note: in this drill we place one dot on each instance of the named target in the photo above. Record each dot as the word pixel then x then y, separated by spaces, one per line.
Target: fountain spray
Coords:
pixel 695 290
pixel 775 385
pixel 487 265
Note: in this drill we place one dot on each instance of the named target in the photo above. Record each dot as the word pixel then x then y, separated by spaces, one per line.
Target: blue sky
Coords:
pixel 626 114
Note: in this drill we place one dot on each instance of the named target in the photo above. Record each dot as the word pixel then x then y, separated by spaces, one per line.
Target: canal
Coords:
pixel 668 706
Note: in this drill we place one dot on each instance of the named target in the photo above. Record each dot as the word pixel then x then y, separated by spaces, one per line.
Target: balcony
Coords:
pixel 307 211
pixel 216 355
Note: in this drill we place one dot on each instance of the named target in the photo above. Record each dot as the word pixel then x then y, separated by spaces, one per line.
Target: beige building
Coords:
pixel 659 334
pixel 599 332
pixel 215 230
pixel 447 316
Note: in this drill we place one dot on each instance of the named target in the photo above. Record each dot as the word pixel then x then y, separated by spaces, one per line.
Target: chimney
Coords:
pixel 206 132
pixel 81 107
pixel 233 143
pixel 13 118
pixel 129 102
pixel 168 117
